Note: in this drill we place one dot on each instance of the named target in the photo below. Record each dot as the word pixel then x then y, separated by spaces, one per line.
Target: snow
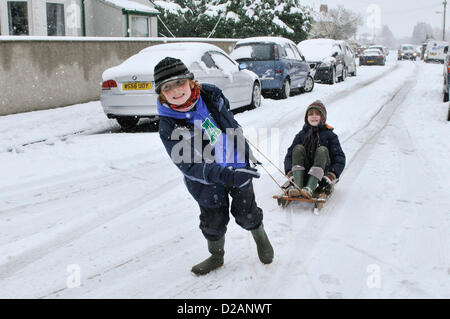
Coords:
pixel 316 49
pixel 131 5
pixel 77 193
pixel 145 61
pixel 279 40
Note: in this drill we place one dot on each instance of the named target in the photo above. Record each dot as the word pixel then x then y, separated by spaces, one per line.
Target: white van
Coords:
pixel 436 51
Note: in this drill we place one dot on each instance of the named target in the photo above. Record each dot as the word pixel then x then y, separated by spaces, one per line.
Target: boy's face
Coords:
pixel 314 117
pixel 177 92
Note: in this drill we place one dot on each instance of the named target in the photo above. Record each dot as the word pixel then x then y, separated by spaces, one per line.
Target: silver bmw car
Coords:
pixel 128 92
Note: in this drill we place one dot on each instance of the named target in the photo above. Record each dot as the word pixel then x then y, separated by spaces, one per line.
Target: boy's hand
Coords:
pixel 329 179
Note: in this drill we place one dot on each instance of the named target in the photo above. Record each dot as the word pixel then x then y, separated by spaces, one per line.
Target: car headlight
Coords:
pixel 414 53
pixel 402 53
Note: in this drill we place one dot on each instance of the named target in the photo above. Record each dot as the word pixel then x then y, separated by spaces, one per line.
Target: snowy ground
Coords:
pixel 76 193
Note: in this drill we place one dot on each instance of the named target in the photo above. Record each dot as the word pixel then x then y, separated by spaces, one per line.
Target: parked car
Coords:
pixel 407 51
pixel 128 92
pixel 380 47
pixel 436 51
pixel 372 57
pixel 281 67
pixel 446 74
pixel 332 60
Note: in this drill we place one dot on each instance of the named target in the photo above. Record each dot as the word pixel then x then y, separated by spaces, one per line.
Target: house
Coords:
pixel 93 18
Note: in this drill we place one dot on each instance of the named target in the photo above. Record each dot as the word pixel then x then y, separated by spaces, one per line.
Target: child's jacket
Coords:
pixel 328 139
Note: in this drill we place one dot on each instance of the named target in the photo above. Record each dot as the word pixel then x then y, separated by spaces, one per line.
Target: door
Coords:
pixel 237 87
pixel 293 65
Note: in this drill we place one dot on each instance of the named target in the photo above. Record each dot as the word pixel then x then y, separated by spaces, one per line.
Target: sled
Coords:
pixel 319 198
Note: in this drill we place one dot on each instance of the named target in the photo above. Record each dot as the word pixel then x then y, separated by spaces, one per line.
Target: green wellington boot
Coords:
pixel 310 187
pixel 298 180
pixel 214 261
pixel 265 250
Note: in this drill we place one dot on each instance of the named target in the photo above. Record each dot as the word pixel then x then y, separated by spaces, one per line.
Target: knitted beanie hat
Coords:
pixel 318 105
pixel 170 69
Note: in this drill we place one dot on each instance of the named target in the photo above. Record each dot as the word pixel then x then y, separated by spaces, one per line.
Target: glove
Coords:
pixel 240 177
pixel 329 179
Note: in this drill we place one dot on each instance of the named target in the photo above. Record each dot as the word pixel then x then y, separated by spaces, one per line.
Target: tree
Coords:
pixel 235 18
pixel 338 24
pixel 422 32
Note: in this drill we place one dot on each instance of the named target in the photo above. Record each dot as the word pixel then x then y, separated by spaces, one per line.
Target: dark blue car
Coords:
pixel 279 64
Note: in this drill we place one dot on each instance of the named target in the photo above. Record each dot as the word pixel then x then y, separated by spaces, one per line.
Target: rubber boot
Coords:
pixel 265 250
pixel 298 180
pixel 214 261
pixel 310 187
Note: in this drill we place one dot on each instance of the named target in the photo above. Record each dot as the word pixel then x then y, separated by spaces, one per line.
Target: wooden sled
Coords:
pixel 320 197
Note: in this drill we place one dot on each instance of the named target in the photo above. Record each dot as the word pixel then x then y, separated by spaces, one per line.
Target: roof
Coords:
pixel 278 40
pixel 146 60
pixel 129 5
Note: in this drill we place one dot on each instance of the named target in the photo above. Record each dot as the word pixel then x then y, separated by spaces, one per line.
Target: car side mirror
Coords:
pixel 243 66
pixel 335 54
pixel 445 49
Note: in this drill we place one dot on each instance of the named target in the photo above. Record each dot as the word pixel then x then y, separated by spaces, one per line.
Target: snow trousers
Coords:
pixel 320 165
pixel 214 220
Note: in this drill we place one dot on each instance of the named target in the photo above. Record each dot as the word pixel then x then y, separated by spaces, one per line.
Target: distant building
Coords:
pixel 94 18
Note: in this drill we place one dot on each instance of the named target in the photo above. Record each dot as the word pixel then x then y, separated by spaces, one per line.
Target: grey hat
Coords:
pixel 170 69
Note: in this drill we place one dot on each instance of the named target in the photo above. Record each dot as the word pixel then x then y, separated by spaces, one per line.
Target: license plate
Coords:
pixel 433 53
pixel 137 86
pixel 370 61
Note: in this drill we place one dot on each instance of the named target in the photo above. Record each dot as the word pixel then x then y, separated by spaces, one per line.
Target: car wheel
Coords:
pixel 344 75
pixel 445 96
pixel 285 90
pixel 256 96
pixel 127 122
pixel 333 76
pixel 448 115
pixel 309 85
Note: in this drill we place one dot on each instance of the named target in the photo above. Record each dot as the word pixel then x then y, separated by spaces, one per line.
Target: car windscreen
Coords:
pixel 407 48
pixel 253 52
pixel 316 51
pixel 372 52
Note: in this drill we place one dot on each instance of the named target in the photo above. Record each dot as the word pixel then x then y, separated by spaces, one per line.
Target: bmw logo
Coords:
pixel 134 77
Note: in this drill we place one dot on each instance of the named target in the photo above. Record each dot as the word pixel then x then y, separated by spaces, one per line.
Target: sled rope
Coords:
pixel 268 159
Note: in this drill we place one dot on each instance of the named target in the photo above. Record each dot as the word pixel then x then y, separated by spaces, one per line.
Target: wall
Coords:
pixel 47 72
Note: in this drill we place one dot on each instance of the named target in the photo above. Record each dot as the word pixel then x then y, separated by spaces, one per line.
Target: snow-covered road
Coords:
pixel 113 207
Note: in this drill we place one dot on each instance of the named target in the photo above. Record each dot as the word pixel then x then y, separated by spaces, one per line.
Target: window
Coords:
pixel 18 17
pixel 223 62
pixel 139 26
pixel 296 53
pixel 55 19
pixel 209 62
pixel 289 51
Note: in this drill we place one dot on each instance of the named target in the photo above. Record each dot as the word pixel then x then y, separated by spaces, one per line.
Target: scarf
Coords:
pixel 311 141
pixel 189 104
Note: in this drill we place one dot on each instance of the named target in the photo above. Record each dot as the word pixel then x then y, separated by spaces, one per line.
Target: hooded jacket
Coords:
pixel 328 139
pixel 193 155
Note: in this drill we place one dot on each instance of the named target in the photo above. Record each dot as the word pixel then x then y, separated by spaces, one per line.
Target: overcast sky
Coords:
pixel 400 15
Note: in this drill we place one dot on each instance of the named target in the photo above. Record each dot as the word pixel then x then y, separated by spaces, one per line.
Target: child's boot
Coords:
pixel 216 248
pixel 310 187
pixel 265 249
pixel 298 174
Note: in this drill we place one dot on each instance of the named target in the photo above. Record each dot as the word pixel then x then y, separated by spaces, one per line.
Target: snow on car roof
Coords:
pixel 146 60
pixel 316 49
pixel 278 40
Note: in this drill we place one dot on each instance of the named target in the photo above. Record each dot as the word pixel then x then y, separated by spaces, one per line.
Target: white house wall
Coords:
pixel 37 17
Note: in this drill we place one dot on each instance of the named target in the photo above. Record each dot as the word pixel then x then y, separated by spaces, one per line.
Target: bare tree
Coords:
pixel 338 24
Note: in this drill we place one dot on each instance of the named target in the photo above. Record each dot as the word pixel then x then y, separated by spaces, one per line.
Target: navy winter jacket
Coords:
pixel 203 178
pixel 328 139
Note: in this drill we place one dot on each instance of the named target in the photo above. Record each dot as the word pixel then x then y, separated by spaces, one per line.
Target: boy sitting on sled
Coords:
pixel 316 151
